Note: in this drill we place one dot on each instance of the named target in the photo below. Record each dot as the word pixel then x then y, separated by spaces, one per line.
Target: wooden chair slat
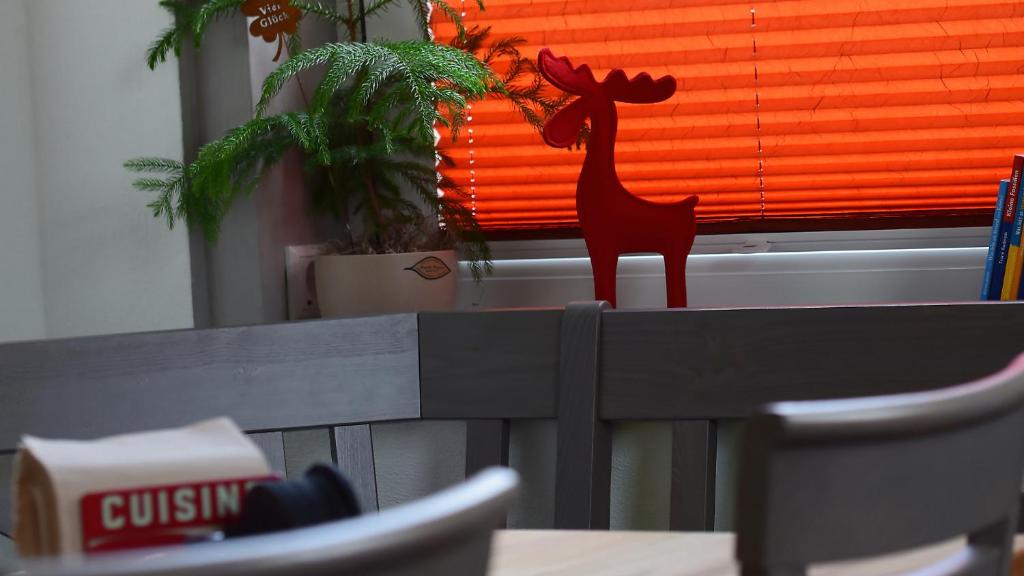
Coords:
pixel 353 448
pixel 694 453
pixel 583 467
pixel 304 448
pixel 533 453
pixel 487 444
pixel 6 474
pixel 272 445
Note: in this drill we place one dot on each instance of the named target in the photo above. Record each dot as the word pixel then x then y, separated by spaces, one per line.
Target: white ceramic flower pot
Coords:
pixel 365 285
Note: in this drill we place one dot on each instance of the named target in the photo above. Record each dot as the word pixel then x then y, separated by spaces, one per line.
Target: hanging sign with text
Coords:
pixel 273 19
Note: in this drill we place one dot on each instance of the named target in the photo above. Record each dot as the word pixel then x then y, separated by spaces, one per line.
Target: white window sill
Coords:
pixel 792 269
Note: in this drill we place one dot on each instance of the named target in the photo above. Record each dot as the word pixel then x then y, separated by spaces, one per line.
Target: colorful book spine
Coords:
pixel 993 240
pixel 1005 229
pixel 1020 275
pixel 1011 279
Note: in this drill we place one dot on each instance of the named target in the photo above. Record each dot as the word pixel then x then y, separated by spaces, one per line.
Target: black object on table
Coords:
pixel 323 494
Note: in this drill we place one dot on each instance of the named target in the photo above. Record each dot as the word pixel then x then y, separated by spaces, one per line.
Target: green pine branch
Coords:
pixel 367 133
pixel 325 12
pixel 170 38
pixel 209 12
pixel 426 75
pixel 169 188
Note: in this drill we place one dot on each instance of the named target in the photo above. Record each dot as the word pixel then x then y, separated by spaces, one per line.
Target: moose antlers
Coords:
pixel 562 75
pixel 580 81
pixel 642 89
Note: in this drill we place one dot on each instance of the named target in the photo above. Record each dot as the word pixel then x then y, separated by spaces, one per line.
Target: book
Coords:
pixel 1015 256
pixel 1020 272
pixel 1005 229
pixel 993 240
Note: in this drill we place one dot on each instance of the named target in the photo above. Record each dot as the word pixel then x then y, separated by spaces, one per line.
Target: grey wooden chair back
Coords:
pixel 832 480
pixel 445 534
pixel 306 392
pixel 322 390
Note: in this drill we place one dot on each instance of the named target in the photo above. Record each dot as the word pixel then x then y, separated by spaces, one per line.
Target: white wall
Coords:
pixel 22 314
pixel 82 102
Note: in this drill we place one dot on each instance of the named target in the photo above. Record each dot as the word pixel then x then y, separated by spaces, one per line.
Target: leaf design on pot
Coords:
pixel 431 268
pixel 273 19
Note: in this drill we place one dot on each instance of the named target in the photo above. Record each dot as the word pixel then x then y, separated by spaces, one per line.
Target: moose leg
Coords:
pixel 604 264
pixel 675 279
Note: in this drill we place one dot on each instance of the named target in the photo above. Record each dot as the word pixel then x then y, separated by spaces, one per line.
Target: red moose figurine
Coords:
pixel 614 221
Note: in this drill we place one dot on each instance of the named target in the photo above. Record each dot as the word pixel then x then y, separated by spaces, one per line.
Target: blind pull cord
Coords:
pixel 757 113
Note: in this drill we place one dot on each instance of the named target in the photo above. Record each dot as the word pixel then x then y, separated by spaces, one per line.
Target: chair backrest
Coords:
pixel 832 480
pixel 325 390
pixel 311 391
pixel 447 533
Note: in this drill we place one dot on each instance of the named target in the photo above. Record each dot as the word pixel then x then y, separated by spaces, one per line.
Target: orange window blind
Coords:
pixel 789 110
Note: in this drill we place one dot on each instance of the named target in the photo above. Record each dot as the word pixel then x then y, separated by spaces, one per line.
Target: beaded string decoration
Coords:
pixel 757 112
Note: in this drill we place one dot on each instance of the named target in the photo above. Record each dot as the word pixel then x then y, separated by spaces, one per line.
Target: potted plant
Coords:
pixel 367 134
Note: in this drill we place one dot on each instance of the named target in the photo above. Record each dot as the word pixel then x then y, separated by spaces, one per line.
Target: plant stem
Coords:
pixel 350 23
pixel 331 181
pixel 371 186
pixel 363 136
pixel 362 18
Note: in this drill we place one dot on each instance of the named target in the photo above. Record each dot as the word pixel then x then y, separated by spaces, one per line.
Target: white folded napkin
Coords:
pixel 150 488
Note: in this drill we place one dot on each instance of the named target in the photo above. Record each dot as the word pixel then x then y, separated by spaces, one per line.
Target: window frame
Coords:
pixel 920 238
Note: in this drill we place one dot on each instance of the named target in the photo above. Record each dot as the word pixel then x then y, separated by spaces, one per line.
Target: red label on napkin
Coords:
pixel 159 515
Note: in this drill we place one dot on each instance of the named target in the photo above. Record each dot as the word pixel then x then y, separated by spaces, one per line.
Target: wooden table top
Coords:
pixel 569 553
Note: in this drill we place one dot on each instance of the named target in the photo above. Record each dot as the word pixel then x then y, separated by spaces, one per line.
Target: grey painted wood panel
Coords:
pixel 266 377
pixel 487 444
pixel 699 364
pixel 272 445
pixel 6 476
pixel 694 453
pixel 304 448
pixel 500 364
pixel 583 468
pixel 641 476
pixel 532 453
pixel 415 459
pixel 353 448
pixel 730 435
